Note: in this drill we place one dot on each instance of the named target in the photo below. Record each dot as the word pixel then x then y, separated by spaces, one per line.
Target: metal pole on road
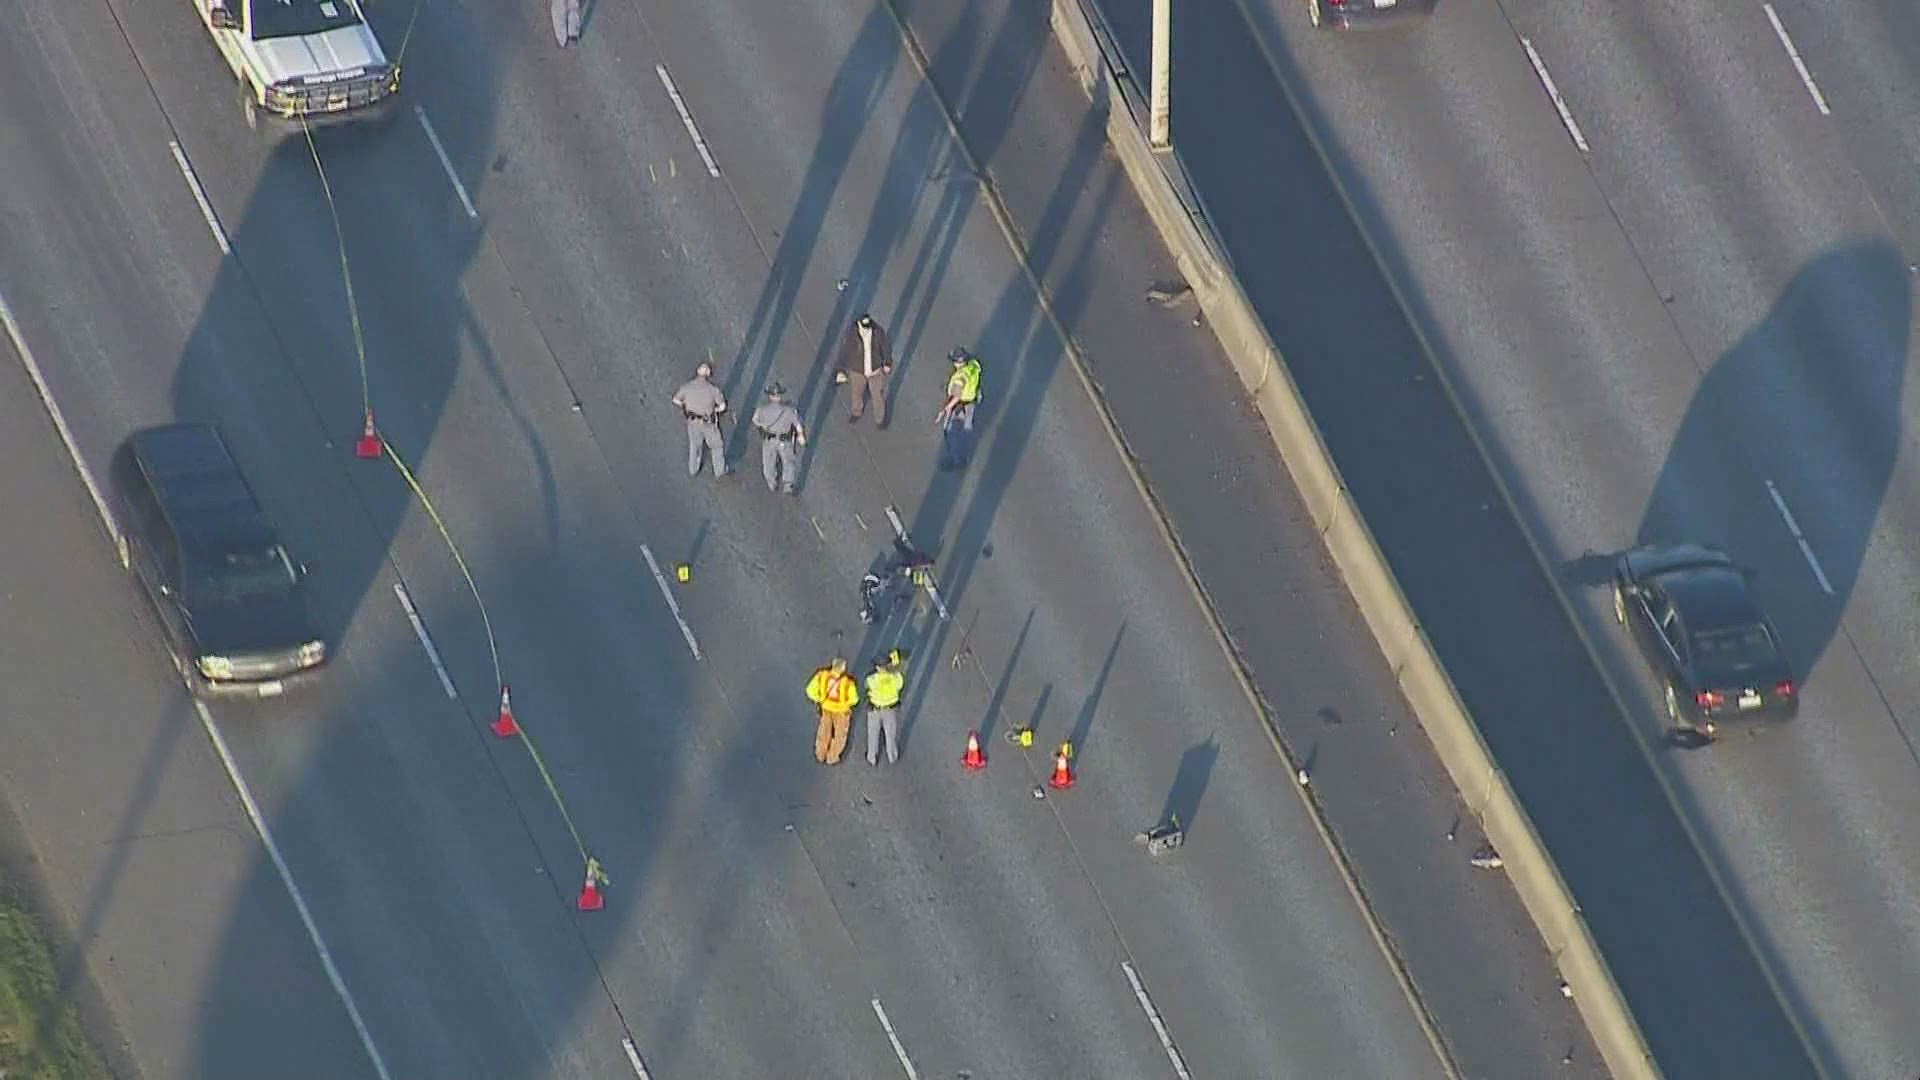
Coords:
pixel 1159 135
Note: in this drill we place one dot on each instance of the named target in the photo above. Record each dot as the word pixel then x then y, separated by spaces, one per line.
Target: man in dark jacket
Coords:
pixel 865 357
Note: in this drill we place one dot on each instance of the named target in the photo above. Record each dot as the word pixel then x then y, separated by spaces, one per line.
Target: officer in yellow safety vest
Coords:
pixel 835 692
pixel 956 414
pixel 884 686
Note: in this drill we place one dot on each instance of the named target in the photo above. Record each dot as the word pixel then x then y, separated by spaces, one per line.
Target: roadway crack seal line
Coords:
pixel 1236 662
pixel 1544 566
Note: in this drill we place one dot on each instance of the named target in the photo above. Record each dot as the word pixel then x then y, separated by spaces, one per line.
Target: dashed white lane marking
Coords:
pixel 686 118
pixel 446 163
pixel 672 604
pixel 1553 92
pixel 1159 1026
pixel 206 718
pixel 200 196
pixel 286 878
pixel 1793 527
pixel 633 1059
pixel 59 418
pixel 899 1051
pixel 420 631
pixel 1799 65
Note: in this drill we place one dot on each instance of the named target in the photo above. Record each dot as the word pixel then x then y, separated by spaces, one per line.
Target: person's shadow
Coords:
pixel 1803 413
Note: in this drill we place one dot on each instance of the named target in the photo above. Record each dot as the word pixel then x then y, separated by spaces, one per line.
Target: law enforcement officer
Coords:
pixel 566 21
pixel 781 433
pixel 703 404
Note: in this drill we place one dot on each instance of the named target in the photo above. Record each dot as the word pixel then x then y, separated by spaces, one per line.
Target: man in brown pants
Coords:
pixel 866 359
pixel 836 693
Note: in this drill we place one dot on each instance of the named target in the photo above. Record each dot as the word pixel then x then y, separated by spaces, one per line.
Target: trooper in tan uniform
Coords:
pixel 781 433
pixel 704 405
pixel 867 360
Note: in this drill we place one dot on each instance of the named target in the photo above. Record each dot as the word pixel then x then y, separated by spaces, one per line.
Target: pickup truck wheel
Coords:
pixel 1619 606
pixel 249 105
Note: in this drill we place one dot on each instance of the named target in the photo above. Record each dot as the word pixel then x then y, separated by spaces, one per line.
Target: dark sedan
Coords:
pixel 1693 617
pixel 1359 14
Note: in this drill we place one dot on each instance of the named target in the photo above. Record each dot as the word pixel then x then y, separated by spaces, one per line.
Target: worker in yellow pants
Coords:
pixel 836 693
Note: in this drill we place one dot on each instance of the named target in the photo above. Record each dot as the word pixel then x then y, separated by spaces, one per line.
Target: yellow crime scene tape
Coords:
pixel 595 876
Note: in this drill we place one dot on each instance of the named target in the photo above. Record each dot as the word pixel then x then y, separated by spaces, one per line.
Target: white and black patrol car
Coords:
pixel 303 61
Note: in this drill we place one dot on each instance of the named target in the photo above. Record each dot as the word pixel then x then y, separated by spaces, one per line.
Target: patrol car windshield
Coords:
pixel 295 18
pixel 245 574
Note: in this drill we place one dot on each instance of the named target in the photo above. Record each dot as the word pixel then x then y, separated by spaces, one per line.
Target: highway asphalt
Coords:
pixel 761 907
pixel 1697 329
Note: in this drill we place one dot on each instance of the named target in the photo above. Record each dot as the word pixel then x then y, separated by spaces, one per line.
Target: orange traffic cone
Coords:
pixel 1062 772
pixel 369 445
pixel 974 758
pixel 590 898
pixel 506 727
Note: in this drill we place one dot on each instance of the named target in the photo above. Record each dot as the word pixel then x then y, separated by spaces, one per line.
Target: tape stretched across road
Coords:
pixel 1417 668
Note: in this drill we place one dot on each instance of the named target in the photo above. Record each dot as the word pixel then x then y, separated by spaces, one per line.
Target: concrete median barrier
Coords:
pixel 1428 689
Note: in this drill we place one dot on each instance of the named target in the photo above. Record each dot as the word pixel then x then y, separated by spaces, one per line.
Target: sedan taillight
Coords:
pixel 1784 688
pixel 1709 699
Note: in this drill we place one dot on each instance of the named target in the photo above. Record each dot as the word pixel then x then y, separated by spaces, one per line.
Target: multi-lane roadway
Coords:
pixel 1663 256
pixel 539 254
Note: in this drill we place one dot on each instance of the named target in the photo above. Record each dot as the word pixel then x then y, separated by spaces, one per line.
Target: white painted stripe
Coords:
pixel 1793 527
pixel 1159 1026
pixel 633 1059
pixel 286 878
pixel 899 1051
pixel 446 163
pixel 672 604
pixel 200 196
pixel 420 631
pixel 1553 92
pixel 686 118
pixel 206 721
pixel 59 419
pixel 1799 65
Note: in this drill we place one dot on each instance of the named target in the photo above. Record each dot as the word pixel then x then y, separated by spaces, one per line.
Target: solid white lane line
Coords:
pixel 1799 65
pixel 686 118
pixel 59 418
pixel 672 604
pixel 633 1059
pixel 420 631
pixel 899 1051
pixel 1159 1026
pixel 1794 528
pixel 200 196
pixel 446 163
pixel 286 878
pixel 1553 92
pixel 206 718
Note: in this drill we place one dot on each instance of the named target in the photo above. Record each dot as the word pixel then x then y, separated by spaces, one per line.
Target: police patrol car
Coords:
pixel 315 61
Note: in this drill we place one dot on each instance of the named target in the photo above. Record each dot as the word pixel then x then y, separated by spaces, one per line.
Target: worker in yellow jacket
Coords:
pixel 884 686
pixel 836 693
